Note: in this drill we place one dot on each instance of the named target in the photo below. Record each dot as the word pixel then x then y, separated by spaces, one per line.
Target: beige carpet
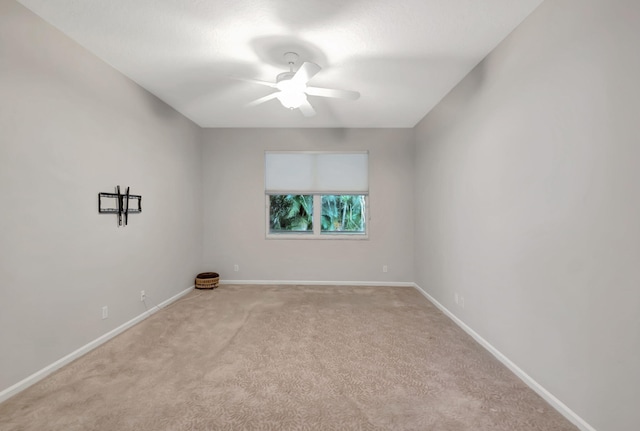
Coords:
pixel 286 358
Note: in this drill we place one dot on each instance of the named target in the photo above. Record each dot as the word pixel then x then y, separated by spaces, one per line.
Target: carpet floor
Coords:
pixel 247 357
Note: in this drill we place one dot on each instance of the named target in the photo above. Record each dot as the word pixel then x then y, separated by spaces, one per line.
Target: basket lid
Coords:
pixel 208 275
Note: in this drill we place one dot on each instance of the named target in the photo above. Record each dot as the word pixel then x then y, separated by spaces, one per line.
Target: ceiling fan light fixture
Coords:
pixel 292 87
pixel 292 99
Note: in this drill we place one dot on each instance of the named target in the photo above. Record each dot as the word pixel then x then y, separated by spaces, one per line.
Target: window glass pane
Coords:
pixel 289 213
pixel 343 213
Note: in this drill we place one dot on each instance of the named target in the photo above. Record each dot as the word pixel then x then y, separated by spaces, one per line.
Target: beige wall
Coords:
pixel 234 208
pixel 70 127
pixel 527 204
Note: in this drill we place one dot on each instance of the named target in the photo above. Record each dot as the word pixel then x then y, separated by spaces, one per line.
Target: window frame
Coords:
pixel 316 233
pixel 317 173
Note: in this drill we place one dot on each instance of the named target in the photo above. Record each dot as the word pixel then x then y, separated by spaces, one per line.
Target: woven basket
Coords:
pixel 207 280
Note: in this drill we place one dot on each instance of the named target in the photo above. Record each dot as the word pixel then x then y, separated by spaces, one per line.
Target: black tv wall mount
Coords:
pixel 119 203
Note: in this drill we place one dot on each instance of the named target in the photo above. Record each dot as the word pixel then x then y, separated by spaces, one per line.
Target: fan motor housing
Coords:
pixel 284 76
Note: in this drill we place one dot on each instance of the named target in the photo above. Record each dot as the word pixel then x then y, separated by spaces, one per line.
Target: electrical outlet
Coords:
pixel 462 301
pixel 105 312
pixel 385 268
pixel 456 297
pixel 236 267
pixel 143 296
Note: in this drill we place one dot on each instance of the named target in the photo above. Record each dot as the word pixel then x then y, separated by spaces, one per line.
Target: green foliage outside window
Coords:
pixel 291 213
pixel 343 213
pixel 339 213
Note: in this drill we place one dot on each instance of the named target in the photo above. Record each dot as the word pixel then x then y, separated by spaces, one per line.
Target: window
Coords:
pixel 316 195
pixel 290 213
pixel 343 213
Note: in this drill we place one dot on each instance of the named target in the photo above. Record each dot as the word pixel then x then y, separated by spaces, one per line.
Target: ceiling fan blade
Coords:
pixel 305 73
pixel 329 92
pixel 306 109
pixel 256 81
pixel 262 99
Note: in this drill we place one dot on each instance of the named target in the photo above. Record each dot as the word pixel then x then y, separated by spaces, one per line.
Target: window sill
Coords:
pixel 321 237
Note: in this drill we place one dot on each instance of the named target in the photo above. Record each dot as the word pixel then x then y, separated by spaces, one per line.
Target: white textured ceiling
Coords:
pixel 403 56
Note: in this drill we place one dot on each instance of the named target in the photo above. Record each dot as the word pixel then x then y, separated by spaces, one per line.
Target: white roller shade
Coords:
pixel 316 172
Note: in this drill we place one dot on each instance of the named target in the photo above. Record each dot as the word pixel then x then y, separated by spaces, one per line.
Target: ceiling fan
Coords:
pixel 293 90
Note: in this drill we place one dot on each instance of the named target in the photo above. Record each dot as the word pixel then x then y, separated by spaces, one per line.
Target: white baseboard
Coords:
pixel 322 283
pixel 528 380
pixel 41 374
